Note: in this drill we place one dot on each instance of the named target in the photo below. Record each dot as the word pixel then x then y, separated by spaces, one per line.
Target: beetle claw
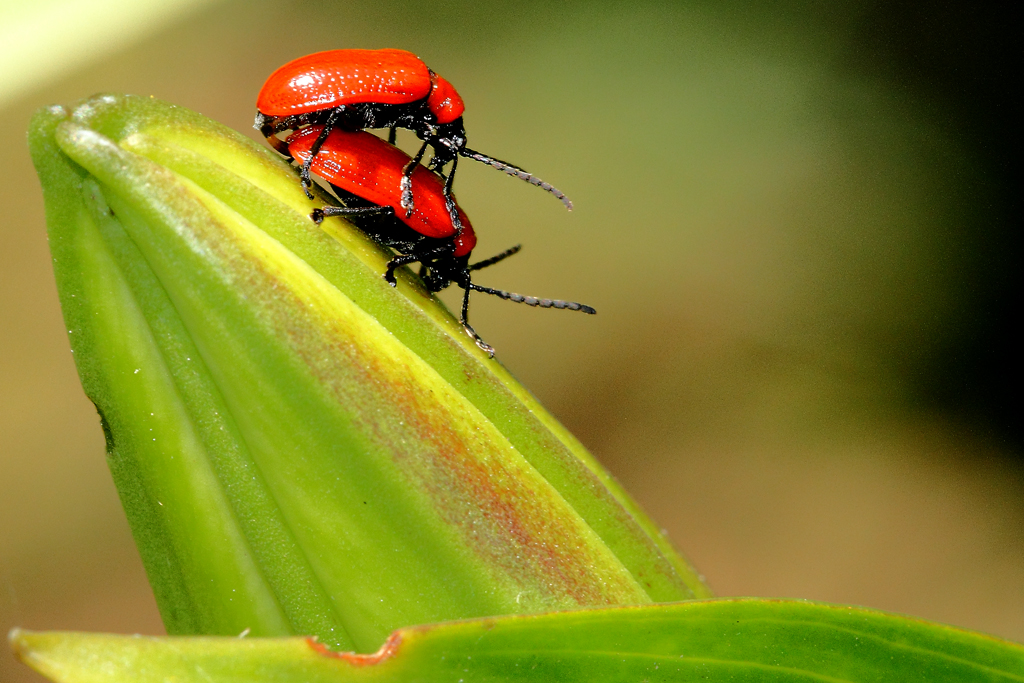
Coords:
pixel 481 344
pixel 306 183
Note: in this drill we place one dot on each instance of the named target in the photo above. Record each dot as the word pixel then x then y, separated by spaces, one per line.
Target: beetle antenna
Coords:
pixel 518 173
pixel 494 259
pixel 532 300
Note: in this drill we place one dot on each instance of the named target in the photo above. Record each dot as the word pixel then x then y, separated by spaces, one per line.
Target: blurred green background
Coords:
pixel 797 221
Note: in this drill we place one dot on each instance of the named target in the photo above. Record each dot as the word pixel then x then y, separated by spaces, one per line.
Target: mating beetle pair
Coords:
pixel 327 99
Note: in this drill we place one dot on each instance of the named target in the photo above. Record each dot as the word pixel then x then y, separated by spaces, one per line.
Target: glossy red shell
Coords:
pixel 370 168
pixel 324 80
pixel 444 101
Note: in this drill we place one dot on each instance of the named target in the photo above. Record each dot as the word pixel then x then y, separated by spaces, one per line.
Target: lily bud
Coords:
pixel 299 447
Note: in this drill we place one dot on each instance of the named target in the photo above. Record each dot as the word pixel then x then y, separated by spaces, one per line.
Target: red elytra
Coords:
pixel 355 89
pixel 325 80
pixel 368 167
pixel 363 169
pixel 444 101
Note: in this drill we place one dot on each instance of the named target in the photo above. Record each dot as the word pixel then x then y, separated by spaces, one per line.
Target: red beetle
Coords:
pixel 356 89
pixel 364 172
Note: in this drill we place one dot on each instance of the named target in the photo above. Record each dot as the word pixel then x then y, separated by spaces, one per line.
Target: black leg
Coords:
pixel 315 149
pixel 449 201
pixel 406 184
pixel 393 135
pixel 283 123
pixel 319 215
pixel 422 256
pixel 450 178
pixel 398 262
pixel 484 346
pixel 517 172
pixel 268 128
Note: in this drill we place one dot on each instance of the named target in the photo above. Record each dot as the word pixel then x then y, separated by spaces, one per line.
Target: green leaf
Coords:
pixel 715 640
pixel 300 448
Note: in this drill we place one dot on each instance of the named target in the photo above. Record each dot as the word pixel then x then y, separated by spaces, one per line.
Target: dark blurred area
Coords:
pixel 800 225
pixel 957 59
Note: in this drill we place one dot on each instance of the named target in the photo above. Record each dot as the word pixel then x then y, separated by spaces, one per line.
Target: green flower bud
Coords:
pixel 299 447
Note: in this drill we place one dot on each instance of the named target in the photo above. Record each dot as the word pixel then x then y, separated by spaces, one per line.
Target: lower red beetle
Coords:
pixel 355 89
pixel 364 172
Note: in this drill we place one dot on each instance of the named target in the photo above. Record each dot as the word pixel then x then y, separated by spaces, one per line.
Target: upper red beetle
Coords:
pixel 364 172
pixel 355 89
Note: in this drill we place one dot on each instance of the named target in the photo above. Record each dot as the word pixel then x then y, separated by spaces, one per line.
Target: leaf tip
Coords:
pixel 20 642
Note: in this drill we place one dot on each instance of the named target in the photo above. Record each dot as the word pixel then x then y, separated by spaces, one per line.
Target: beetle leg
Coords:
pixel 266 125
pixel 450 178
pixel 398 262
pixel 406 183
pixel 393 135
pixel 319 215
pixel 315 149
pixel 449 201
pixel 422 257
pixel 464 319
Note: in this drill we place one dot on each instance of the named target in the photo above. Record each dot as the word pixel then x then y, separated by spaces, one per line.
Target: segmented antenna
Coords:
pixel 534 301
pixel 494 259
pixel 518 173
